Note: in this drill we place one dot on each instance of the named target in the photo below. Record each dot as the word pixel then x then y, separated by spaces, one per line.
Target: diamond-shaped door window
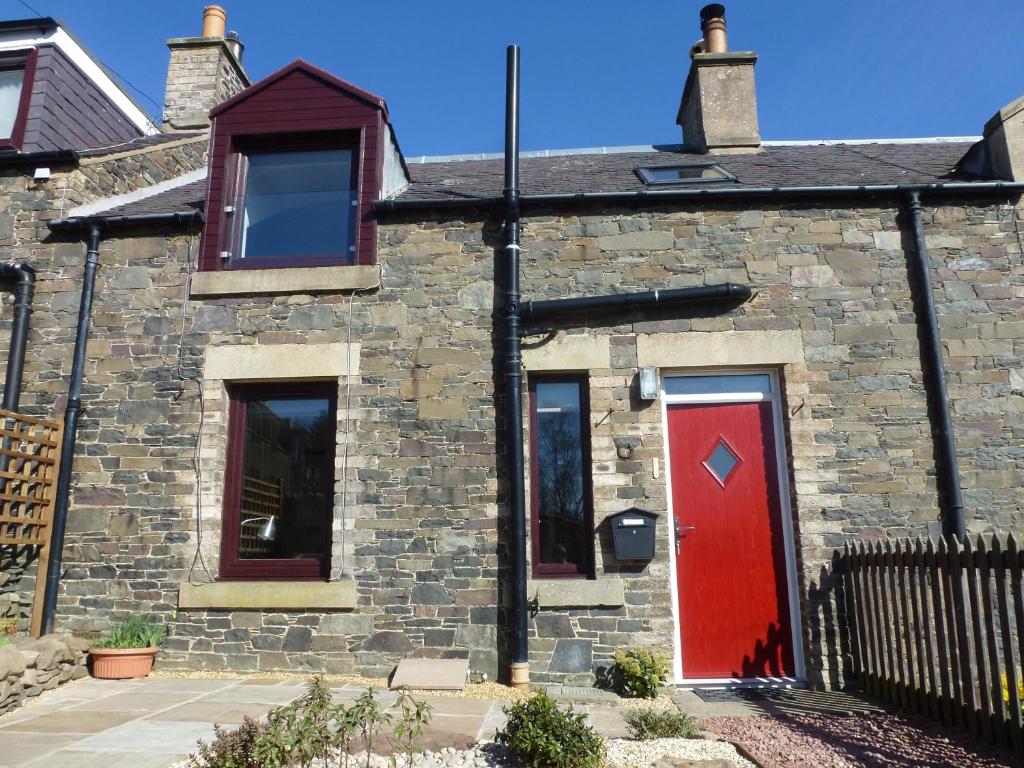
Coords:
pixel 721 462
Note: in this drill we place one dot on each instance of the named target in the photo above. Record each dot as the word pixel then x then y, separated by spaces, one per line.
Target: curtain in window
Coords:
pixel 10 95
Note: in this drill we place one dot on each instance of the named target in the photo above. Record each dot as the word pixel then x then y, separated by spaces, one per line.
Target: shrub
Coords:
pixel 134 632
pixel 313 730
pixel 542 735
pixel 660 724
pixel 639 671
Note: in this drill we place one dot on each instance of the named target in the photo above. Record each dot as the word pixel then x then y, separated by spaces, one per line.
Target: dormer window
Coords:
pixel 293 207
pixel 690 173
pixel 16 73
pixel 295 163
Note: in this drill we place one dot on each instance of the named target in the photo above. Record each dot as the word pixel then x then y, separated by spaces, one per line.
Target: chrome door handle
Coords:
pixel 686 528
pixel 680 530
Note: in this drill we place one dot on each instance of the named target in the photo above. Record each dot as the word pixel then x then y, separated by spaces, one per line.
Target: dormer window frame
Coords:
pixel 647 174
pixel 23 59
pixel 245 146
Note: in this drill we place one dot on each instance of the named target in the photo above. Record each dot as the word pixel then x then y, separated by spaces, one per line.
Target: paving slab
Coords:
pixel 607 720
pixel 257 694
pixel 79 720
pixel 73 758
pixel 431 674
pixel 148 736
pixel 16 749
pixel 140 701
pixel 221 713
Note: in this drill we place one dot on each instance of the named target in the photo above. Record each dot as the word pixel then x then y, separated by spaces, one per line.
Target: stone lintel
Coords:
pixel 723 348
pixel 268 595
pixel 577 352
pixel 577 593
pixel 244 282
pixel 258 362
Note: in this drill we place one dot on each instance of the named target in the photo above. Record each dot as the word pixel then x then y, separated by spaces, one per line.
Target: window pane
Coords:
pixel 287 477
pixel 563 534
pixel 298 205
pixel 10 97
pixel 718 385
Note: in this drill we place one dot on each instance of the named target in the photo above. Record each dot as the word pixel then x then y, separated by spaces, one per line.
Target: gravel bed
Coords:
pixel 861 741
pixel 626 753
pixel 662 702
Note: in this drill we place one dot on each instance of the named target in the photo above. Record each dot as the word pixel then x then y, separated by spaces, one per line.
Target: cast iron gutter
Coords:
pixel 24 286
pixel 533 310
pixel 86 222
pixel 519 673
pixel 948 476
pixel 655 196
pixel 71 413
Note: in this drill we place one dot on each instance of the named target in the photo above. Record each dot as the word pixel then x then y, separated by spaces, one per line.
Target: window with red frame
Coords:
pixel 560 484
pixel 294 203
pixel 279 483
pixel 16 74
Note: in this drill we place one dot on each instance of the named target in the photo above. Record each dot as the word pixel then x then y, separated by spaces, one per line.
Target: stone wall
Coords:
pixel 29 667
pixel 426 486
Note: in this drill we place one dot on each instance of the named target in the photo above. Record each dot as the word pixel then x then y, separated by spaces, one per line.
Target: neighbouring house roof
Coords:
pixel 76 102
pixel 184 194
pixel 783 164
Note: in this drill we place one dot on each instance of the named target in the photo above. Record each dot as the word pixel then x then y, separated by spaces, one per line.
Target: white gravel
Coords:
pixel 624 753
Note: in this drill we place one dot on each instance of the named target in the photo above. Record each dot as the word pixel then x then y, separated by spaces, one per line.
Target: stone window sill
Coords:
pixel 577 593
pixel 246 282
pixel 268 595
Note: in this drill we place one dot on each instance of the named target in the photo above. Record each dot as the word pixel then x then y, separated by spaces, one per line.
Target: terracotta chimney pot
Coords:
pixel 712 24
pixel 215 20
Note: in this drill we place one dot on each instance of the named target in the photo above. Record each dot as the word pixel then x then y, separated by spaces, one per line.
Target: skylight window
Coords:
pixel 691 173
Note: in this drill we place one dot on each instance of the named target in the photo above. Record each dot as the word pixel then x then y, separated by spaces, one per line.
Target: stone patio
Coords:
pixel 154 723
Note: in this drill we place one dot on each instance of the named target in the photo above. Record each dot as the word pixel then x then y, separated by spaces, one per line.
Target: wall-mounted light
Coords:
pixel 41 174
pixel 648 383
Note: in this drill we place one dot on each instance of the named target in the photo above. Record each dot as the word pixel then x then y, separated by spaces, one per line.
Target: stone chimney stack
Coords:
pixel 204 71
pixel 1004 141
pixel 718 111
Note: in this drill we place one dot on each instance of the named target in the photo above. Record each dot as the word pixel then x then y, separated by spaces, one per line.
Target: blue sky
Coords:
pixel 600 72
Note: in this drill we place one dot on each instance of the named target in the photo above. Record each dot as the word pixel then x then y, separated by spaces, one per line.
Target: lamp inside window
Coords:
pixel 690 173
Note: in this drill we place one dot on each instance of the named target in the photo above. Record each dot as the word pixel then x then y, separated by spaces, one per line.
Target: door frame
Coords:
pixel 785 510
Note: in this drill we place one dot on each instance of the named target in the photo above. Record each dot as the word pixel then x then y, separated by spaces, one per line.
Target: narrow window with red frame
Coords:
pixel 279 483
pixel 294 204
pixel 562 519
pixel 16 74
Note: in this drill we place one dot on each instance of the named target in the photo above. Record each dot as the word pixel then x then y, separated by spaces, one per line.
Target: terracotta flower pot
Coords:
pixel 121 663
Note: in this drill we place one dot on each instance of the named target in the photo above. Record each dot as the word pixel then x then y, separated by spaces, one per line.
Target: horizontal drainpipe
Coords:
pixel 951 499
pixel 25 281
pixel 655 196
pixel 534 310
pixel 67 449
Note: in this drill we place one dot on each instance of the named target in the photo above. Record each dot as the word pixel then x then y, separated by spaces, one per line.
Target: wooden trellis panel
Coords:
pixel 29 464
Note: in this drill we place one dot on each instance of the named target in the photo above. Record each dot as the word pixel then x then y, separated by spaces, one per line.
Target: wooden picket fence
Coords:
pixel 939 630
pixel 29 464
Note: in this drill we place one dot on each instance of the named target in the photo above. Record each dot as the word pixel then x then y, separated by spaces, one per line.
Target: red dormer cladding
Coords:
pixel 298 107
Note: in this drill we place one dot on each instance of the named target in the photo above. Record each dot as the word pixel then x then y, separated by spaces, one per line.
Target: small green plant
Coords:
pixel 660 724
pixel 541 735
pixel 639 671
pixel 313 730
pixel 134 632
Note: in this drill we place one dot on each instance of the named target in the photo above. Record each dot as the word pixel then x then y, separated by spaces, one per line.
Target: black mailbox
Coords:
pixel 633 534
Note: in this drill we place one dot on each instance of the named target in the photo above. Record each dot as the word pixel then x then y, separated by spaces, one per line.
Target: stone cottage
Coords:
pixel 292 442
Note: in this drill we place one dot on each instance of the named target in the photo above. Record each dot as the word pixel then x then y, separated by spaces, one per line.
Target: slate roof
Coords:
pixel 775 166
pixel 187 197
pixel 611 171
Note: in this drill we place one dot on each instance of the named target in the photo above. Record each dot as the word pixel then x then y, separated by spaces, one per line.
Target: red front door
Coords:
pixel 730 553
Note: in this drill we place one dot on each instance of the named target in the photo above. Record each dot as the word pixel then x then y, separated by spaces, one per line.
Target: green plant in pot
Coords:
pixel 129 650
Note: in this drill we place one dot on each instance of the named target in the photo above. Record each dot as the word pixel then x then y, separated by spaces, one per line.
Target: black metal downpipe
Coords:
pixel 533 310
pixel 520 669
pixel 71 412
pixel 25 281
pixel 950 495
